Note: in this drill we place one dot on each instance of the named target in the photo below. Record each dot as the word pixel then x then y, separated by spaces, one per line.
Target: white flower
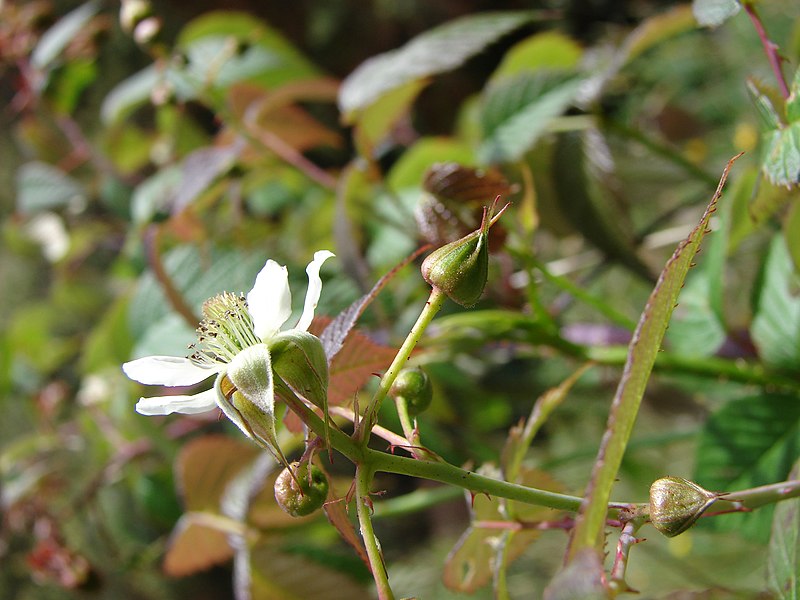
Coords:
pixel 232 328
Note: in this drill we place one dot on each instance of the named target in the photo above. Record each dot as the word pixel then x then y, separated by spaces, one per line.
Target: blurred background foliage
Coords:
pixel 155 155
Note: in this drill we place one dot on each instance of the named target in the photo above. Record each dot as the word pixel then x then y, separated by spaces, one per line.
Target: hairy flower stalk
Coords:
pixel 240 342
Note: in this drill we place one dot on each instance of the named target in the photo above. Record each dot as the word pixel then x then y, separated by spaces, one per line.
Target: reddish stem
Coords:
pixel 770 48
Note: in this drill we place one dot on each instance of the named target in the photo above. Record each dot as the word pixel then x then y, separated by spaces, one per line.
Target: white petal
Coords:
pixel 187 405
pixel 314 288
pixel 166 370
pixel 270 301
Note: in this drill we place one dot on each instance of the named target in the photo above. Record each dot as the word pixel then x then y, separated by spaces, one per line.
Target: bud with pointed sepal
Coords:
pixel 677 503
pixel 460 269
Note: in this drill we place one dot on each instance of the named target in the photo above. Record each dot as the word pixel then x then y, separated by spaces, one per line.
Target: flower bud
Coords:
pixel 299 360
pixel 460 269
pixel 300 490
pixel 676 503
pixel 414 386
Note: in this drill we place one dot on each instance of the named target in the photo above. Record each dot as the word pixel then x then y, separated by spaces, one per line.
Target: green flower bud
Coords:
pixel 298 493
pixel 676 503
pixel 299 360
pixel 460 269
pixel 414 386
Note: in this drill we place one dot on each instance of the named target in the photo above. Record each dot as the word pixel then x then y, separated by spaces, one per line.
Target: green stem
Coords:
pixel 479 484
pixel 432 306
pixel 745 500
pixel 708 366
pixel 411 432
pixel 363 507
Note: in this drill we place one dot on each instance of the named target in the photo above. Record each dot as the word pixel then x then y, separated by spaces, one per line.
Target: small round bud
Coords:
pixel 300 490
pixel 676 503
pixel 414 386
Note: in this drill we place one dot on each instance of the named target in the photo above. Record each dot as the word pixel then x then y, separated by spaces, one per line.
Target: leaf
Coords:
pixel 377 119
pixel 435 51
pixel 358 361
pixel 55 40
pixel 548 51
pixel 196 544
pixel 749 442
pixel 279 575
pixel 783 563
pixel 518 111
pixel 791 225
pixel 642 351
pixel 410 169
pixel 657 29
pixel 336 512
pixel 469 566
pixel 581 579
pixel 585 185
pixel 782 155
pixel 206 465
pixel 336 332
pixel 156 194
pixel 695 329
pixel 711 13
pixel 129 93
pixel 287 63
pixel 776 325
pixel 41 186
pixel 199 170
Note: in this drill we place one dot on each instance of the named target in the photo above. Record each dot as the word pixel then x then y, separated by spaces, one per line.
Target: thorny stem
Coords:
pixel 627 539
pixel 363 508
pixel 770 47
pixel 432 306
pixel 411 432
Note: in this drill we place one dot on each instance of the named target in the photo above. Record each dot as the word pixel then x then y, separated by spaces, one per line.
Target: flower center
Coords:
pixel 226 330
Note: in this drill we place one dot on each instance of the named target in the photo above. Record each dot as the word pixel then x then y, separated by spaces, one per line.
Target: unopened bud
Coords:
pixel 676 503
pixel 414 386
pixel 132 12
pixel 460 269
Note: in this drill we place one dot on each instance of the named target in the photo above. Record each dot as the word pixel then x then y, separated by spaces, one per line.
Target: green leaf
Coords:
pixel 109 342
pixel 793 101
pixel 782 155
pixel 642 352
pixel 586 186
pixel 750 442
pixel 409 171
pixel 711 13
pixel 41 186
pixel 767 102
pixel 517 112
pixel 436 51
pixel 547 51
pixel 288 62
pixel 55 40
pixel 791 225
pixel 695 328
pixel 776 324
pixel 657 29
pixel 154 195
pixel 783 565
pixel 128 94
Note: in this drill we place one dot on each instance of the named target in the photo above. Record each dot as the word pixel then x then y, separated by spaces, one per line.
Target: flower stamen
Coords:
pixel 226 330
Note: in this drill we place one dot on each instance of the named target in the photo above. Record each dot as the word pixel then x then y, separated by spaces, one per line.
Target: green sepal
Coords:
pixel 246 394
pixel 299 360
